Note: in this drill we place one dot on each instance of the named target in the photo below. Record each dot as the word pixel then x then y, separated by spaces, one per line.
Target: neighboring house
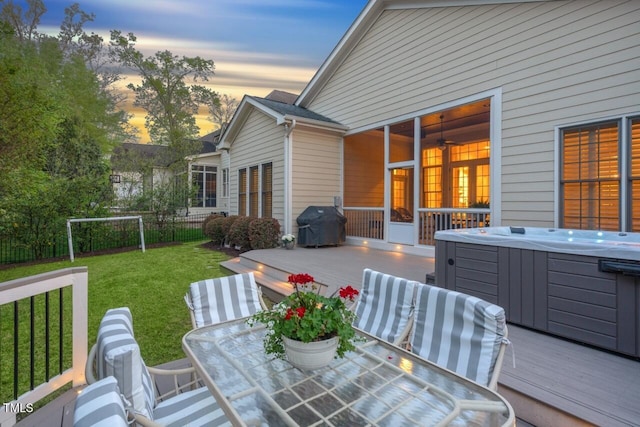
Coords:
pixel 128 159
pixel 431 115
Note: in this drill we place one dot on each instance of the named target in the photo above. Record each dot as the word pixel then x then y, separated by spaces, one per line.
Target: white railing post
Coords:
pixel 80 330
pixel 19 289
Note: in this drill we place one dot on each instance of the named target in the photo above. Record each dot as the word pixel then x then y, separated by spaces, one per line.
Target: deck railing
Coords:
pixel 43 330
pixel 365 222
pixel 368 223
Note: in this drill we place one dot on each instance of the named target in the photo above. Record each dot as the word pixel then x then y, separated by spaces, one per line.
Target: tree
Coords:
pixel 25 26
pixel 221 110
pixel 170 103
pixel 56 125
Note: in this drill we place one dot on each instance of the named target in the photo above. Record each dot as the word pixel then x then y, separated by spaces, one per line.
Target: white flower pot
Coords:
pixel 310 355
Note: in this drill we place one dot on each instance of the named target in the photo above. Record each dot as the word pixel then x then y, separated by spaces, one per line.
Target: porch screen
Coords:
pixel 364 169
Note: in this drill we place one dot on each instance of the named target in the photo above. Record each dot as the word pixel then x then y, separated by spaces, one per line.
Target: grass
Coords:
pixel 152 284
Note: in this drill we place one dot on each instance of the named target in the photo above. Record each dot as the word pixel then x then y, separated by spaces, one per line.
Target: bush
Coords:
pixel 263 233
pixel 215 231
pixel 239 233
pixel 208 219
pixel 226 224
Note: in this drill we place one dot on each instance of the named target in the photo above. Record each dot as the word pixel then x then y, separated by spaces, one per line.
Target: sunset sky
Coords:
pixel 257 45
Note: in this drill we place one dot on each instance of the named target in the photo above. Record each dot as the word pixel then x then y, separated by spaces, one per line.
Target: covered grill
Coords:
pixel 321 226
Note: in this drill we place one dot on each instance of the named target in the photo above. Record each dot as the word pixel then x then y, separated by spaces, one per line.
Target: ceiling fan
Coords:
pixel 442 143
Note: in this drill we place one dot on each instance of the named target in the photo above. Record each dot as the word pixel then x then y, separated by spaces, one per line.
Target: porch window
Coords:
pixel 267 190
pixel 204 178
pixel 242 192
pixel 590 177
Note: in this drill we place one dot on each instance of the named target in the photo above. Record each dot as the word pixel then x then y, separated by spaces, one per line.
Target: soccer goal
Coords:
pixel 115 218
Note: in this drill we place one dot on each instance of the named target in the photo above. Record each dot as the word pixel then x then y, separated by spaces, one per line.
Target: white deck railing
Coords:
pixel 26 288
pixel 368 223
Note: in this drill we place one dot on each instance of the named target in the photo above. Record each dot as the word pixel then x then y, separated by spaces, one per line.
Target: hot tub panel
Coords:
pixel 563 294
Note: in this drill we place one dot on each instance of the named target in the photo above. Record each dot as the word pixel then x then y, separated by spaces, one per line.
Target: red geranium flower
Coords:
pixel 289 314
pixel 300 311
pixel 348 292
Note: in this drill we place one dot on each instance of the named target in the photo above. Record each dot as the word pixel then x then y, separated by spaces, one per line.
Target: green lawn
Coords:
pixel 151 284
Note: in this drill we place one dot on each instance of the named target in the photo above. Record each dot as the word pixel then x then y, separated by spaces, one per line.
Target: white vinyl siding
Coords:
pixel 259 141
pixel 556 63
pixel 316 169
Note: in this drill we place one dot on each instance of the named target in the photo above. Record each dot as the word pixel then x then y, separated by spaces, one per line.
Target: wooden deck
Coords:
pixel 554 382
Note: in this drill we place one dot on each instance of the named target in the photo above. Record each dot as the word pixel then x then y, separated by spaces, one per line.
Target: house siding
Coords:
pixel 316 170
pixel 259 141
pixel 556 63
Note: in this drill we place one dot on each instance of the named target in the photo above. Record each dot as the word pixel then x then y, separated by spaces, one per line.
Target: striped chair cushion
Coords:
pixel 385 305
pixel 118 355
pixel 224 298
pixel 100 405
pixel 457 331
pixel 193 408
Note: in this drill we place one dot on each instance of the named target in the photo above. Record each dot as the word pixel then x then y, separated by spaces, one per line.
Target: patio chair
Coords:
pixel 101 405
pixel 221 299
pixel 116 353
pixel 460 332
pixel 385 306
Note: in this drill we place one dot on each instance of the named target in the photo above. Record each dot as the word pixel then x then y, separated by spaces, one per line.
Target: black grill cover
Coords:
pixel 321 226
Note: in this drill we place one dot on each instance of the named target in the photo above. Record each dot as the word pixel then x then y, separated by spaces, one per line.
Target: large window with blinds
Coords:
pixel 598 190
pixel 242 192
pixel 256 191
pixel 254 188
pixel 634 174
pixel 267 190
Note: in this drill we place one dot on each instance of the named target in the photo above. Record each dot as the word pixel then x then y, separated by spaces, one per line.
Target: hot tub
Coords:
pixel 578 284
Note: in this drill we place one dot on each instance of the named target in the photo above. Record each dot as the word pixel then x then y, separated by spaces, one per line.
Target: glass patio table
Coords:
pixel 377 384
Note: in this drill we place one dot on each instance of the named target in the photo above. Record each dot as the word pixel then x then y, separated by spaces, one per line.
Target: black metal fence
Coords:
pixel 91 237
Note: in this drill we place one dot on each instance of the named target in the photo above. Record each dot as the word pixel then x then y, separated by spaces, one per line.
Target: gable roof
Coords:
pixel 281 112
pixel 359 28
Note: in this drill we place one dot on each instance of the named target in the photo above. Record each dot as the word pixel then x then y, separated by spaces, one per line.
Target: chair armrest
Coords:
pixel 145 422
pixel 89 372
pixel 191 382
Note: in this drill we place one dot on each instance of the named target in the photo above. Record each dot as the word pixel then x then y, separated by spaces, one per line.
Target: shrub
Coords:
pixel 209 219
pixel 239 233
pixel 263 233
pixel 226 224
pixel 214 230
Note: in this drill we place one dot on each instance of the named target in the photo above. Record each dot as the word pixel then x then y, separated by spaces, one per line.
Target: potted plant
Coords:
pixel 288 240
pixel 308 328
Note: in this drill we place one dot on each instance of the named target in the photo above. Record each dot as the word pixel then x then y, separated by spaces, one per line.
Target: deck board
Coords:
pixel 597 386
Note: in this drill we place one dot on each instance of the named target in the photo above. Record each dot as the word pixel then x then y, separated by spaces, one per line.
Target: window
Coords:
pixel 590 177
pixel 634 174
pixel 254 188
pixel 267 190
pixel 204 179
pixel 259 198
pixel 225 182
pixel 242 192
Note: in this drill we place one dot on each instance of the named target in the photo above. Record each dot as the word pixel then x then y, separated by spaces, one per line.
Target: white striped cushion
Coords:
pixel 193 408
pixel 100 405
pixel 458 331
pixel 224 298
pixel 385 305
pixel 118 354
